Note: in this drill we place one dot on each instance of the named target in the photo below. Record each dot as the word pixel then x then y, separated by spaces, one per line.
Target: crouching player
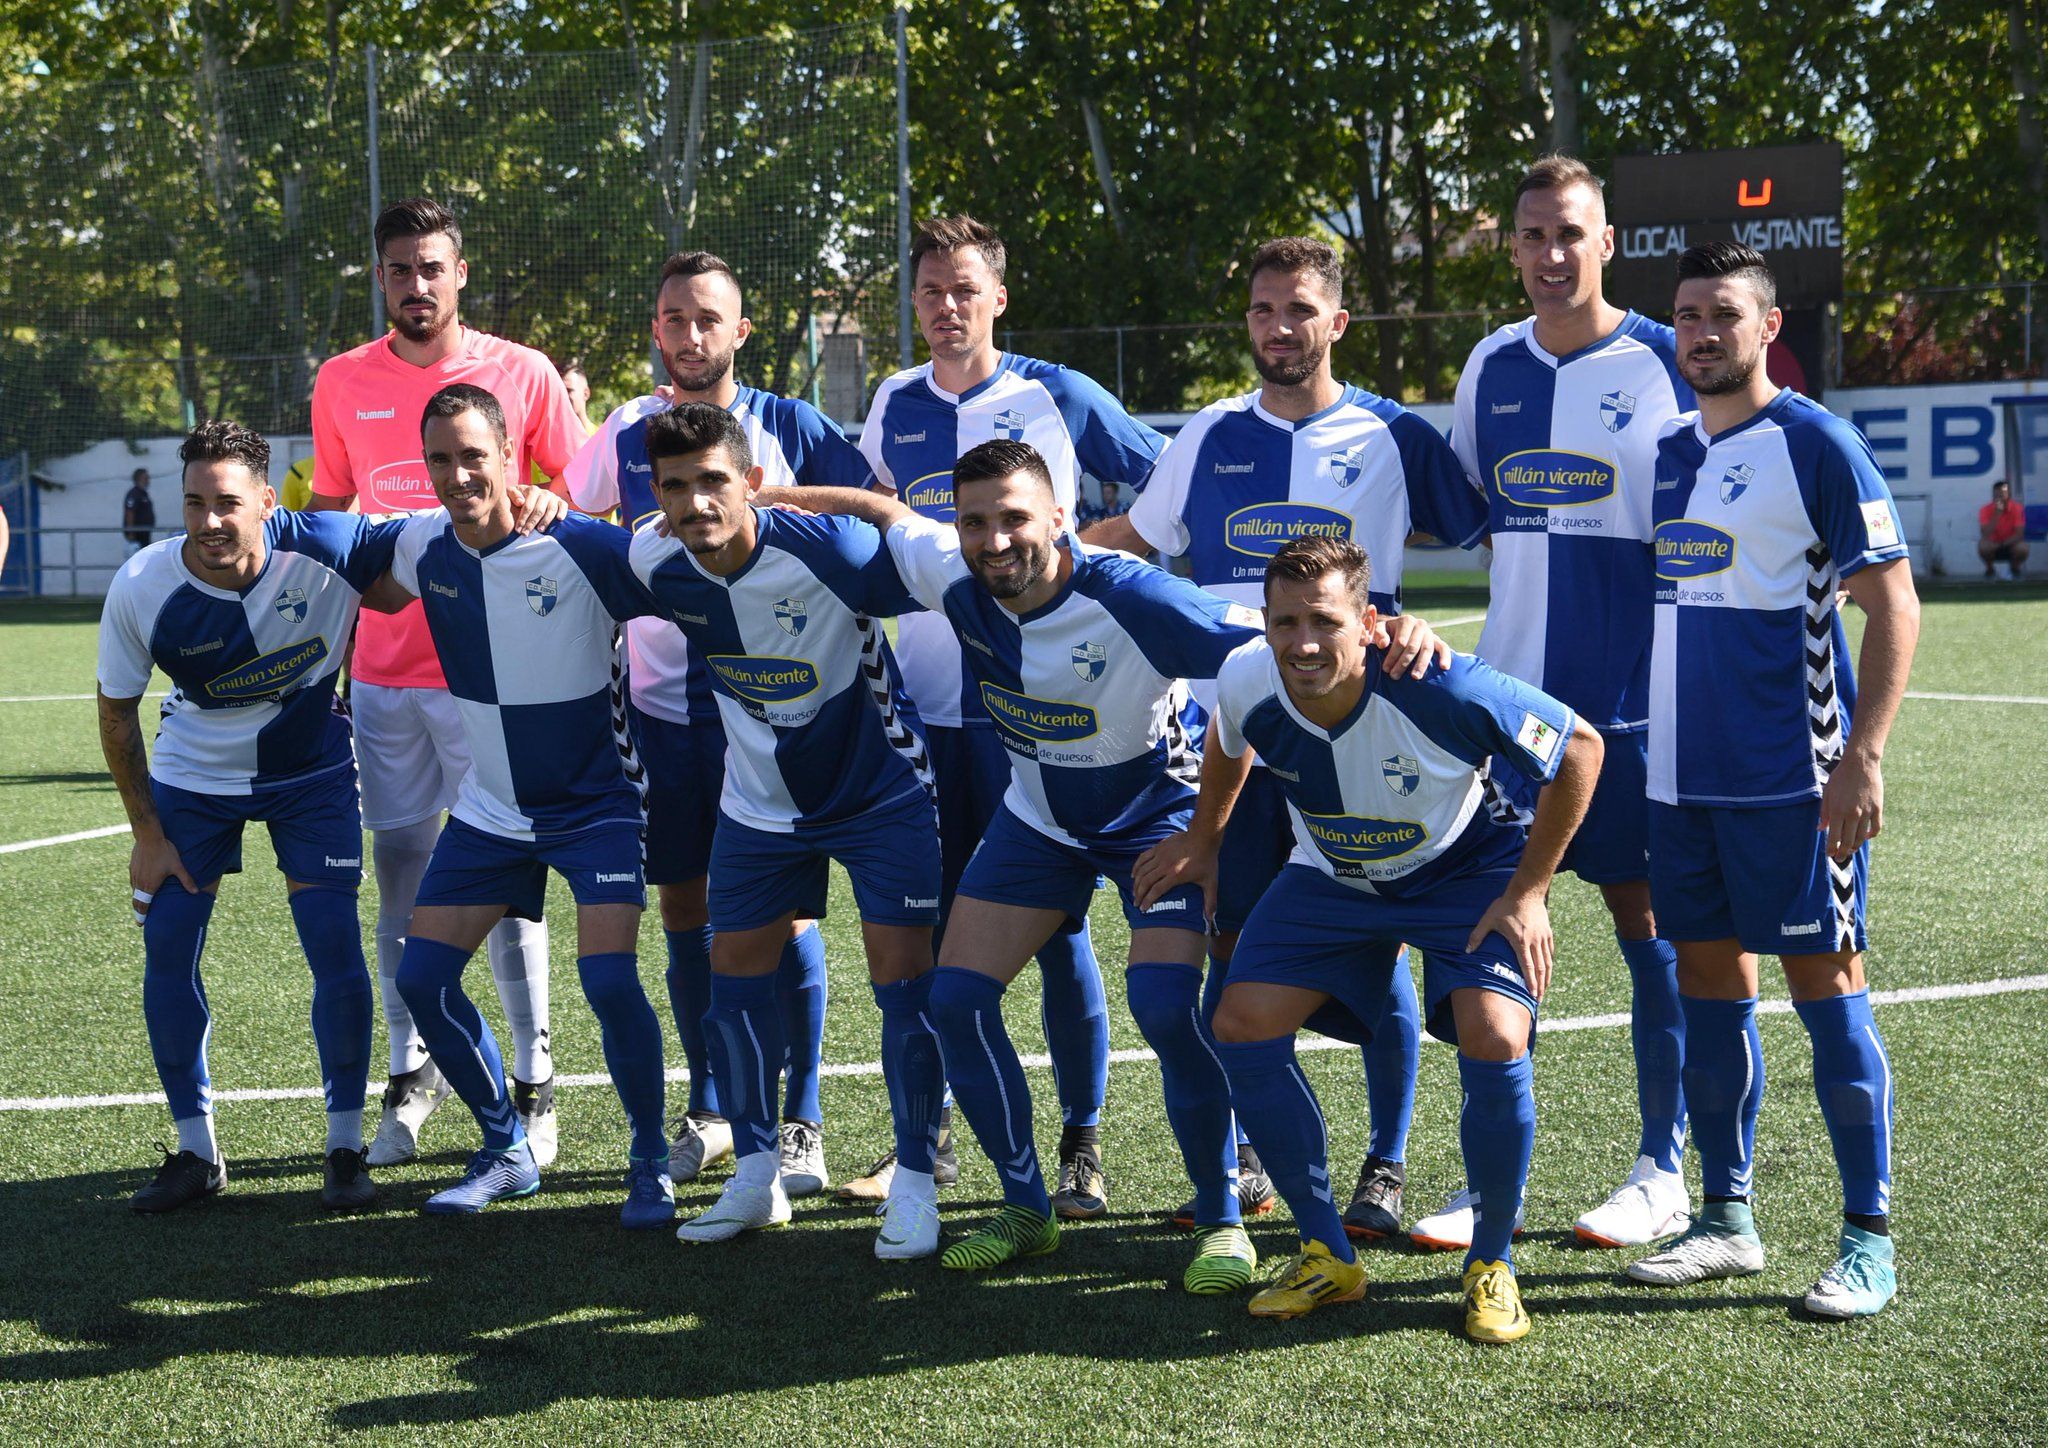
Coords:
pixel 526 628
pixel 1080 655
pixel 1400 836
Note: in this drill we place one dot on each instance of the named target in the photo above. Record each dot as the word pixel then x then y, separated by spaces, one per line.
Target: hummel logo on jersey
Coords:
pixel 1088 661
pixel 1502 408
pixel 639 468
pixel 1348 466
pixel 355 862
pixel 1401 773
pixel 384 415
pixel 1616 408
pixel 445 590
pixel 910 904
pixel 1236 467
pixel 1666 482
pixel 905 438
pixel 205 648
pixel 540 595
pixel 291 605
pixel 789 612
pixel 1287 774
pixel 627 877
pixel 695 618
pixel 974 642
pixel 1010 424
pixel 1735 482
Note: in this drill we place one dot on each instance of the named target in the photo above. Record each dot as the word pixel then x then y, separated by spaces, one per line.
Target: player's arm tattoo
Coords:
pixel 128 762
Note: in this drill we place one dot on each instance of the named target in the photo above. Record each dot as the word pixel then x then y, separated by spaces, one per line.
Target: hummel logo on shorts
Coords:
pixel 627 878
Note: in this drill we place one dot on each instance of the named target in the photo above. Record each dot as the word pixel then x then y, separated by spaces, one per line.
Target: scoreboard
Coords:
pixel 1786 201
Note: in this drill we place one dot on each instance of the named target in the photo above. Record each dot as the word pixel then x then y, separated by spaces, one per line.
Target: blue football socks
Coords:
pixel 1724 1090
pixel 912 1069
pixel 744 1032
pixel 1392 1058
pixel 1165 1000
pixel 1852 1076
pixel 174 1007
pixel 1278 1107
pixel 459 1040
pixel 800 991
pixel 1496 1129
pixel 1076 1020
pixel 331 934
pixel 631 1035
pixel 689 996
pixel 1657 1027
pixel 988 1080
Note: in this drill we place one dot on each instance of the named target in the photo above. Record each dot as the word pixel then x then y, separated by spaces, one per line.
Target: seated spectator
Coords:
pixel 2000 526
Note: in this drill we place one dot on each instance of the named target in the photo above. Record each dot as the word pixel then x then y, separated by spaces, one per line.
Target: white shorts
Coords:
pixel 411 753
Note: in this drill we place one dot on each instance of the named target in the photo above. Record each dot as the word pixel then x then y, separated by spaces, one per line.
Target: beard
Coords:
pixel 424 329
pixel 1305 365
pixel 714 372
pixel 1034 566
pixel 1734 375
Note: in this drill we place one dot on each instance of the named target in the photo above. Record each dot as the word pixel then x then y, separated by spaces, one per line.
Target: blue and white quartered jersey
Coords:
pixel 793 444
pixel 916 431
pixel 527 632
pixel 1564 449
pixel 1751 689
pixel 816 728
pixel 1088 692
pixel 252 671
pixel 1237 482
pixel 1398 797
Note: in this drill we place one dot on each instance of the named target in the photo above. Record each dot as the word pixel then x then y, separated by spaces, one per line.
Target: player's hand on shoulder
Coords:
pixel 1179 859
pixel 151 863
pixel 536 508
pixel 1522 919
pixel 1411 645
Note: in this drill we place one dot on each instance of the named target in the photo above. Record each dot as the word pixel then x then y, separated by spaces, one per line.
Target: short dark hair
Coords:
pixel 217 440
pixel 1730 259
pixel 1299 255
pixel 415 216
pixel 951 233
pixel 1998 483
pixel 140 477
pixel 460 397
pixel 1304 560
pixel 1556 171
pixel 999 458
pixel 698 427
pixel 697 264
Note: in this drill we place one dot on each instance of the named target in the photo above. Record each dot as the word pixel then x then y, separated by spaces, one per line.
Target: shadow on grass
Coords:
pixel 548 1300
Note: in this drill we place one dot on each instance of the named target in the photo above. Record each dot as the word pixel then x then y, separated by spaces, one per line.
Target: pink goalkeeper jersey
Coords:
pixel 366 445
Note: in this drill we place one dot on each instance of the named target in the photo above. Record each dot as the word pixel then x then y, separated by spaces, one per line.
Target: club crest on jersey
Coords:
pixel 1088 661
pixel 291 605
pixel 1010 424
pixel 1735 482
pixel 540 595
pixel 1616 408
pixel 1347 467
pixel 1401 773
pixel 789 612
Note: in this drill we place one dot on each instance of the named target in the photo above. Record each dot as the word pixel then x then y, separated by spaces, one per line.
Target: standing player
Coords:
pixel 1303 456
pixel 366 450
pixel 1766 505
pixel 921 421
pixel 823 763
pixel 699 324
pixel 248 615
pixel 1400 835
pixel 1557 422
pixel 528 627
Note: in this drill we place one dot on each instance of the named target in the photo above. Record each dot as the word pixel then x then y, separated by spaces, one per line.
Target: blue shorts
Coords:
pixel 1018 865
pixel 1612 845
pixel 316 829
pixel 890 852
pixel 1311 932
pixel 470 867
pixel 971 770
pixel 685 766
pixel 1256 843
pixel 1760 876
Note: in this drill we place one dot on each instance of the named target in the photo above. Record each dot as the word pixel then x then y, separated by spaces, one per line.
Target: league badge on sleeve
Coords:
pixel 540 595
pixel 791 615
pixel 1089 660
pixel 1735 482
pixel 1401 773
pixel 1878 524
pixel 1538 738
pixel 291 605
pixel 1616 408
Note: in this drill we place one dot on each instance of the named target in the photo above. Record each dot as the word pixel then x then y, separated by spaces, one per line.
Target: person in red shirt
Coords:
pixel 2000 526
pixel 410 743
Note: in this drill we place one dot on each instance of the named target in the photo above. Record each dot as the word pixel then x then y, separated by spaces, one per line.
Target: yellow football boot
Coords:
pixel 1493 1304
pixel 1313 1279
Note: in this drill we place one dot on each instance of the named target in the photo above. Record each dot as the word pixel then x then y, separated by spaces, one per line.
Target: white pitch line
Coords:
pixel 2012 985
pixel 62 698
pixel 1977 698
pixel 99 834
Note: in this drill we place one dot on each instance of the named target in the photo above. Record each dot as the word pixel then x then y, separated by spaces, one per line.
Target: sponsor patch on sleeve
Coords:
pixel 1879 525
pixel 1243 617
pixel 1538 738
